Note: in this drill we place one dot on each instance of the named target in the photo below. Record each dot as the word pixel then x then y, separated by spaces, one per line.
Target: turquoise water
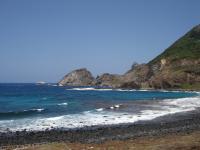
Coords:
pixel 39 107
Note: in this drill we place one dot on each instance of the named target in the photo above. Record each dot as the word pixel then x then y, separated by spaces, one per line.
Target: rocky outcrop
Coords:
pixel 178 74
pixel 178 67
pixel 138 75
pixel 109 80
pixel 79 77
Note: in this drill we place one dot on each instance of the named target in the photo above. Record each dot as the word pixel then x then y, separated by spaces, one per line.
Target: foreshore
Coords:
pixel 176 124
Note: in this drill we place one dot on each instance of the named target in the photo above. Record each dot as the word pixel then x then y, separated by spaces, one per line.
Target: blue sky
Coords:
pixel 45 39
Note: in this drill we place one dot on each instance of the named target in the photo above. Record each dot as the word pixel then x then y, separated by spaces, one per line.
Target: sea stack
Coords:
pixel 79 77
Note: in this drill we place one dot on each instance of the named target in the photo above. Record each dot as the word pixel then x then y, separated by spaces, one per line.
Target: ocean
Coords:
pixel 34 107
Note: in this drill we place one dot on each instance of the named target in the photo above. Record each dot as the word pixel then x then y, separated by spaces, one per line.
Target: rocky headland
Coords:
pixel 79 77
pixel 178 67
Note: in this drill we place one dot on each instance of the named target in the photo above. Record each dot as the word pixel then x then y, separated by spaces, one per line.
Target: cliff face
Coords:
pixel 178 67
pixel 181 74
pixel 79 77
pixel 137 76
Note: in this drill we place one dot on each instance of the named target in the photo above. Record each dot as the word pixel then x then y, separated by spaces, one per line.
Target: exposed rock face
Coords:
pixel 109 80
pixel 178 67
pixel 79 77
pixel 177 74
pixel 139 75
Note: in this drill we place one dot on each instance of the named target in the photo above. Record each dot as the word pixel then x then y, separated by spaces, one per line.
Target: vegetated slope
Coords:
pixel 187 47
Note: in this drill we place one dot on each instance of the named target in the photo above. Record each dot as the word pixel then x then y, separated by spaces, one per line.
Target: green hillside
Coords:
pixel 187 47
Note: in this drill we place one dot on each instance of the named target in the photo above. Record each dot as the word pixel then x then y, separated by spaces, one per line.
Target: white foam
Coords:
pixel 117 106
pixel 122 90
pixel 38 110
pixel 103 117
pixel 64 104
pixel 99 109
pixel 82 89
pixel 89 89
pixel 185 103
pixel 55 118
pixel 102 89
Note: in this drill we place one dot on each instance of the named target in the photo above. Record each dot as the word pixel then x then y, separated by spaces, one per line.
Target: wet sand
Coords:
pixel 178 126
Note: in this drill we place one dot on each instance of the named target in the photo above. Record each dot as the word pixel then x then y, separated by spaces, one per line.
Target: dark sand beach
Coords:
pixel 168 131
pixel 187 141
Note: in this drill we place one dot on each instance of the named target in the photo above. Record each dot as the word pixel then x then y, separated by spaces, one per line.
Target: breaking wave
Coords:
pixel 124 90
pixel 20 113
pixel 63 104
pixel 103 116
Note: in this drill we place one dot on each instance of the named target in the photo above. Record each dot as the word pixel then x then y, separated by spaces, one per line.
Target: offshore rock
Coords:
pixel 79 77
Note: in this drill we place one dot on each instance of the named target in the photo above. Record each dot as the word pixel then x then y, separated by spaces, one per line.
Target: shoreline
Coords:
pixel 126 113
pixel 180 123
pixel 137 89
pixel 85 88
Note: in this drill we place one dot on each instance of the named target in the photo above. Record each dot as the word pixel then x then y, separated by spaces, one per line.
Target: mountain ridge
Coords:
pixel 177 67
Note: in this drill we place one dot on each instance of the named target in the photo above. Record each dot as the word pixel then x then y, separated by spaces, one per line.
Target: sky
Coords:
pixel 42 40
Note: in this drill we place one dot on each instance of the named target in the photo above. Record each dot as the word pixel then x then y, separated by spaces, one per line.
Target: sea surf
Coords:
pixel 35 107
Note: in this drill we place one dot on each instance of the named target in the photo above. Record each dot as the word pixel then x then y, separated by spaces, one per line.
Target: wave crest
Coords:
pixel 20 113
pixel 103 116
pixel 63 104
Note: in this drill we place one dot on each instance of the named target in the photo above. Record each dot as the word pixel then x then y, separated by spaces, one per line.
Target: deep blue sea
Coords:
pixel 40 107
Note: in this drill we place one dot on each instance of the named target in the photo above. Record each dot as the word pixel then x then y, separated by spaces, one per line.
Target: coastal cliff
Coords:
pixel 178 67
